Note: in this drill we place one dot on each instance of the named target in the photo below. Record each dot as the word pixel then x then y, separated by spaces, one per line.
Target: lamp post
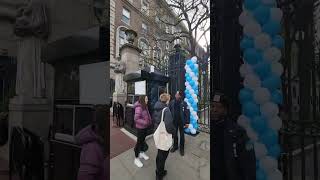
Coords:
pixel 99 8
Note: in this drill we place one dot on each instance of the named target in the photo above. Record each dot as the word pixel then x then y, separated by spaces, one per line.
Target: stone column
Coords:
pixel 129 63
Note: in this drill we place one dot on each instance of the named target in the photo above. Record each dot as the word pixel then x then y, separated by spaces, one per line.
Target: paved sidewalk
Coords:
pixel 195 165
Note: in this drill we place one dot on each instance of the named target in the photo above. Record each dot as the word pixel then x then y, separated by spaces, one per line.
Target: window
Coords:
pixel 122 37
pixel 167 29
pixel 126 16
pixel 145 6
pixel 157 53
pixel 167 45
pixel 144 45
pixel 144 28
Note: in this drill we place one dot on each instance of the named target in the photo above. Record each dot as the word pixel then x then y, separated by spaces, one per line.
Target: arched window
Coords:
pixel 121 39
pixel 157 53
pixel 144 46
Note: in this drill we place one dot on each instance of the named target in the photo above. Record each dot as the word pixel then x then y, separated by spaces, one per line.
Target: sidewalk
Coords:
pixel 194 165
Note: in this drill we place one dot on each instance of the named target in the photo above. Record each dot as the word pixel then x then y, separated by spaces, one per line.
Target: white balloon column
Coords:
pixel 191 92
pixel 261 95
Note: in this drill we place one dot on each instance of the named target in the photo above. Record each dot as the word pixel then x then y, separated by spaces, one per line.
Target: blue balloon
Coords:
pixel 188 96
pixel 251 109
pixel 259 124
pixel 278 42
pixel 263 69
pixel 252 56
pixel 187 130
pixel 261 175
pixel 262 14
pixel 246 43
pixel 269 138
pixel 272 28
pixel 275 151
pixel 251 4
pixel 245 95
pixel 277 97
pixel 272 82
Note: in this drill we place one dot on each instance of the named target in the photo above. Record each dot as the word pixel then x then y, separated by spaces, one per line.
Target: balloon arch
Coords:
pixel 261 95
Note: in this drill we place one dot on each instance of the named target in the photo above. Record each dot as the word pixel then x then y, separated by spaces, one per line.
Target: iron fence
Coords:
pixel 204 117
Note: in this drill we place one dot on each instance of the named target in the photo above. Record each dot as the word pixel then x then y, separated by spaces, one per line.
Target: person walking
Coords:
pixel 233 154
pixel 181 118
pixel 162 105
pixel 142 119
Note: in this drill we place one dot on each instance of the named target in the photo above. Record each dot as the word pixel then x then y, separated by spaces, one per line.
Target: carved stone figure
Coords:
pixel 32 26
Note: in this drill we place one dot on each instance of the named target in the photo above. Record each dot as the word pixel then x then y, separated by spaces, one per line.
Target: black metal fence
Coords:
pixel 204 117
pixel 301 147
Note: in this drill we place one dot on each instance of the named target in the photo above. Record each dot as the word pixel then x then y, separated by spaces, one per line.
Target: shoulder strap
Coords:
pixel 162 115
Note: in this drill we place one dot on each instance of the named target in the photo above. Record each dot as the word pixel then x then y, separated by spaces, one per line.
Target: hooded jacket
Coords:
pixel 233 154
pixel 183 110
pixel 142 117
pixel 92 161
pixel 168 120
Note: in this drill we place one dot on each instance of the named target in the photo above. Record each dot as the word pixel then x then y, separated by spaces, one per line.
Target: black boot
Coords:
pixel 181 151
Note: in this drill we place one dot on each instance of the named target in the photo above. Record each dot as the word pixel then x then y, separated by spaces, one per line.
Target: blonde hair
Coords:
pixel 164 97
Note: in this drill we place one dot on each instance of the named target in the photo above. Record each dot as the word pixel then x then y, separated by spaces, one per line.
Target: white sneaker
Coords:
pixel 138 163
pixel 144 156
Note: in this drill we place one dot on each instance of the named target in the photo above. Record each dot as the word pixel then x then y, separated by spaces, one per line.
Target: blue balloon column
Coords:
pixel 191 93
pixel 261 95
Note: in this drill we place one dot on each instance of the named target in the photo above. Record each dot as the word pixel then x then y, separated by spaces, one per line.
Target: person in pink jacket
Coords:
pixel 93 160
pixel 142 119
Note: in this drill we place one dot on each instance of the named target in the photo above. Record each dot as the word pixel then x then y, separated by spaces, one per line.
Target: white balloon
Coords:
pixel 245 69
pixel 272 54
pixel 274 175
pixel 194 96
pixel 275 123
pixel 261 95
pixel 268 164
pixel 260 150
pixel 196 65
pixel 185 100
pixel 277 68
pixel 276 14
pixel 245 18
pixel 193 131
pixel 186 84
pixel 243 121
pixel 262 41
pixel 252 29
pixel 190 126
pixel 251 134
pixel 194 59
pixel 196 100
pixel 269 110
pixel 252 81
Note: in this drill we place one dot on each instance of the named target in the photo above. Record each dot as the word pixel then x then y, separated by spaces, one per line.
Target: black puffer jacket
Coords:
pixel 168 120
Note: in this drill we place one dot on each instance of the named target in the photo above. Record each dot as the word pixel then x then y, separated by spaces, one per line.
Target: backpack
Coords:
pixel 162 139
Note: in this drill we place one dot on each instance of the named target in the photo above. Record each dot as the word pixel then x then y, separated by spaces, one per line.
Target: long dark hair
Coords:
pixel 142 101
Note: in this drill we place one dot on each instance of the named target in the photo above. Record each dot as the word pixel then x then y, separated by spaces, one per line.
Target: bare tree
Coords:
pixel 192 15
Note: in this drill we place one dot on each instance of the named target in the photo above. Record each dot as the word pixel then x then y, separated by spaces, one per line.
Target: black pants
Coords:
pixel 161 161
pixel 142 133
pixel 179 127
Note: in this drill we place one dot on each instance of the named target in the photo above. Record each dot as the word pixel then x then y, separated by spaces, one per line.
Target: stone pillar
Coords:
pixel 129 63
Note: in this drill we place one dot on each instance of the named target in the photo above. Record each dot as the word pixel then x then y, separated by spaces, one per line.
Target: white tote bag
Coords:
pixel 162 138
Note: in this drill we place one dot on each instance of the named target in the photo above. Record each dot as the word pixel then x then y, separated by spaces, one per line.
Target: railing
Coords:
pixel 204 118
pixel 301 148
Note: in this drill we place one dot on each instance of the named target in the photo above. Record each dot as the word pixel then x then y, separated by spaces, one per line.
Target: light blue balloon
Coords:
pixel 259 124
pixel 277 97
pixel 274 151
pixel 187 130
pixel 278 42
pixel 246 43
pixel 245 95
pixel 261 175
pixel 272 83
pixel 262 14
pixel 269 138
pixel 263 69
pixel 188 96
pixel 251 109
pixel 251 4
pixel 252 56
pixel 272 28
